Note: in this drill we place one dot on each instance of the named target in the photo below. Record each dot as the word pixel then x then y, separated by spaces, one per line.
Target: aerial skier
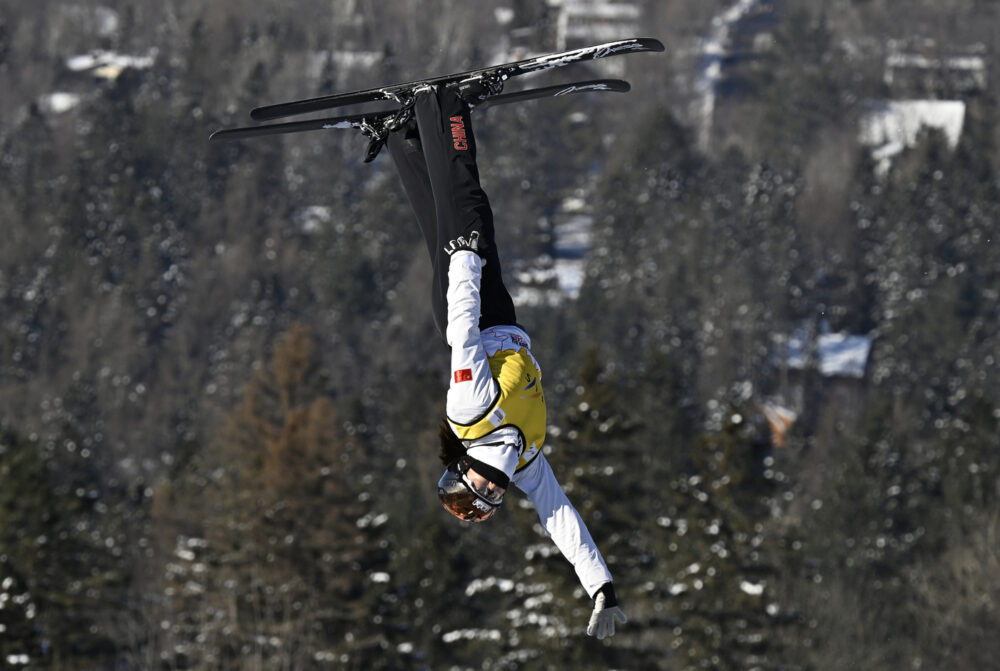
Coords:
pixel 495 425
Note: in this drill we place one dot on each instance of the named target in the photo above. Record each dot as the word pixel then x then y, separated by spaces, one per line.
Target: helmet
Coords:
pixel 460 498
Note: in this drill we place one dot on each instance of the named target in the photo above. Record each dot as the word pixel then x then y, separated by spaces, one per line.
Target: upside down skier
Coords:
pixel 495 410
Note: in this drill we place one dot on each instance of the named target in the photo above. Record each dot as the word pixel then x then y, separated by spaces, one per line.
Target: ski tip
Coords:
pixel 228 134
pixel 651 43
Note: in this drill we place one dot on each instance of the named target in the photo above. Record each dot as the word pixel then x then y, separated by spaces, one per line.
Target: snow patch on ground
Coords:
pixel 471 635
pixel 107 64
pixel 59 102
pixel 313 218
pixel 901 121
pixel 484 584
pixel 890 126
pixel 573 236
pixel 836 354
pixel 843 355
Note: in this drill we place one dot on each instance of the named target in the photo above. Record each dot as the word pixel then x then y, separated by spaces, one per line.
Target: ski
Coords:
pixel 494 74
pixel 610 85
pixel 359 121
pixel 374 123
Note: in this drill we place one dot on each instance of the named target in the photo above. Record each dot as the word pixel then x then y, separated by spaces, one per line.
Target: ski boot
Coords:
pixel 376 134
pixel 475 90
pixel 377 131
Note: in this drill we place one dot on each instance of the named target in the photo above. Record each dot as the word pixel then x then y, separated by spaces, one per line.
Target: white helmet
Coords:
pixel 462 499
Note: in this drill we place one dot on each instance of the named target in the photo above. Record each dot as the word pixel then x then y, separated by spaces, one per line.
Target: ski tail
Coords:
pixel 360 121
pixel 609 85
pixel 374 123
pixel 501 72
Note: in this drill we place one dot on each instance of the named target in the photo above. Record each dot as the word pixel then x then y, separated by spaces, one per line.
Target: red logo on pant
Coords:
pixel 464 375
pixel 458 138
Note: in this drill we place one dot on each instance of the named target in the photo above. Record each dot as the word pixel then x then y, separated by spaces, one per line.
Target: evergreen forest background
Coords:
pixel 220 384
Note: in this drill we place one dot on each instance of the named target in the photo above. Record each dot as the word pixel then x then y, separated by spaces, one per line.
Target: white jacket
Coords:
pixel 468 400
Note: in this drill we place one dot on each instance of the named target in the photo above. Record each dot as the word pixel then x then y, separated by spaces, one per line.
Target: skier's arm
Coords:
pixel 566 528
pixel 472 390
pixel 563 523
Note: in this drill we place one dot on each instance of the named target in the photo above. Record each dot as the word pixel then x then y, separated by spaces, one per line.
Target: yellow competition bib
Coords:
pixel 520 404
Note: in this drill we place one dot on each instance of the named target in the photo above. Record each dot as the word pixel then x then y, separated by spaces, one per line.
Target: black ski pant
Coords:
pixel 436 161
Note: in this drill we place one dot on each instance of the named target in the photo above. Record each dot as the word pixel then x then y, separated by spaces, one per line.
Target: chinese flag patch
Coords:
pixel 464 375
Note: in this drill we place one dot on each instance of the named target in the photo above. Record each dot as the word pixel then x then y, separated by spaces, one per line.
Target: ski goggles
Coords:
pixel 463 499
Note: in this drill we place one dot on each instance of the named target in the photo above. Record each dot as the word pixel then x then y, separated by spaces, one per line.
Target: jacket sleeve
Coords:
pixel 563 523
pixel 472 390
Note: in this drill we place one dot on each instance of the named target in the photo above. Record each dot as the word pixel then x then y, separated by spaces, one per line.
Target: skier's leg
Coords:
pixel 408 156
pixel 460 203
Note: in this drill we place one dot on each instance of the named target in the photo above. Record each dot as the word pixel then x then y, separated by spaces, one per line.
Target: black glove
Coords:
pixel 606 611
pixel 468 243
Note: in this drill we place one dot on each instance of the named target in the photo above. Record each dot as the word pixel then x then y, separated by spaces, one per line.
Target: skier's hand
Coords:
pixel 469 243
pixel 606 611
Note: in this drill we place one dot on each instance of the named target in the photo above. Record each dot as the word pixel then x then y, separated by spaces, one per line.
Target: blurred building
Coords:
pixel 584 22
pixel 920 68
pixel 814 364
pixel 928 86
